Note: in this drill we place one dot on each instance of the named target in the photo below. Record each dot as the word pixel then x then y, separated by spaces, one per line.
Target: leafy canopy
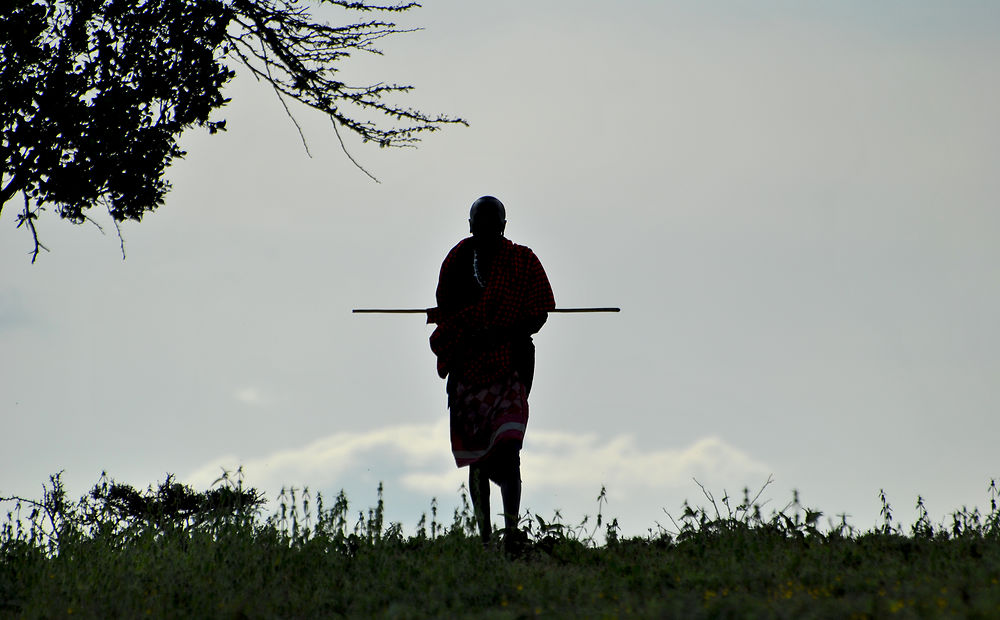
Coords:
pixel 94 94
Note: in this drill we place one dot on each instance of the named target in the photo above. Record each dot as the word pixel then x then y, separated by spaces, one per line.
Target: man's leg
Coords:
pixel 510 489
pixel 479 489
pixel 506 472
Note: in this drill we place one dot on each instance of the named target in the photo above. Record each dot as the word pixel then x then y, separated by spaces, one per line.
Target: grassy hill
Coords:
pixel 174 552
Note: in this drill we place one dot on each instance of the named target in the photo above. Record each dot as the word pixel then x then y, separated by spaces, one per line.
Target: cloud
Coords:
pixel 416 458
pixel 563 460
pixel 566 461
pixel 249 396
pixel 330 459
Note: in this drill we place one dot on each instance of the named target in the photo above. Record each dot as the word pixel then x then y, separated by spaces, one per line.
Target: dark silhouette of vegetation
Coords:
pixel 172 552
pixel 94 94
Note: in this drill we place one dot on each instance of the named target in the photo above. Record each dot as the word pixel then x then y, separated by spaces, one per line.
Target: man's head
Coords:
pixel 487 220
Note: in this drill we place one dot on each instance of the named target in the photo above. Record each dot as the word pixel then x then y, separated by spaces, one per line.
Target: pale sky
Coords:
pixel 793 203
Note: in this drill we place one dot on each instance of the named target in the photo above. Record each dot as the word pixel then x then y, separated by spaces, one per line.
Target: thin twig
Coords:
pixel 270 78
pixel 671 517
pixel 118 229
pixel 353 161
pixel 298 127
pixel 114 220
pixel 770 479
pixel 28 216
pixel 15 498
pixel 708 494
pixel 94 222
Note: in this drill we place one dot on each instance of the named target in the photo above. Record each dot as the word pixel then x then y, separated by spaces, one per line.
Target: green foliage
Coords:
pixel 94 94
pixel 171 551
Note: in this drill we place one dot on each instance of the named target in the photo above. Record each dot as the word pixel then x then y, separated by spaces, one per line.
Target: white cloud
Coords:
pixel 567 461
pixel 417 456
pixel 563 459
pixel 329 459
pixel 561 471
pixel 249 396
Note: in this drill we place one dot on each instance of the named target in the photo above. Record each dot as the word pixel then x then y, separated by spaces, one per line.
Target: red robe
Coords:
pixel 513 305
pixel 483 344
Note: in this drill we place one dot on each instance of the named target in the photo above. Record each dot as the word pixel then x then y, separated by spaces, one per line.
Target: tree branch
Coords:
pixel 118 228
pixel 8 192
pixel 270 78
pixel 96 94
pixel 298 57
pixel 336 131
pixel 29 217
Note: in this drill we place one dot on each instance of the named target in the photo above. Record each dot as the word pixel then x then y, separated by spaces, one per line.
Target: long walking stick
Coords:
pixel 424 310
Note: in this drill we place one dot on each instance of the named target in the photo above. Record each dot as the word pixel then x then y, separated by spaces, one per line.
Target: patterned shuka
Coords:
pixel 483 341
pixel 483 417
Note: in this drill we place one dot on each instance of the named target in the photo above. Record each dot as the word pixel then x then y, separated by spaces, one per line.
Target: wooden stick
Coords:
pixel 424 310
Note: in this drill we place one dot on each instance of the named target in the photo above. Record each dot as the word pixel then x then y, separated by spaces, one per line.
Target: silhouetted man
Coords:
pixel 492 295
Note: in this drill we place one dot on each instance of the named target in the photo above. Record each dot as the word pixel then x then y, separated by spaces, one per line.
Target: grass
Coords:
pixel 173 552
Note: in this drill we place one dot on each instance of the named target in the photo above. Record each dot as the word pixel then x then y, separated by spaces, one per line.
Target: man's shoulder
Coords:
pixel 523 252
pixel 465 245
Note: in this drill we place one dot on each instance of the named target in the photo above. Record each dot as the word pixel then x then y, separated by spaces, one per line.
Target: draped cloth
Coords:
pixel 483 343
pixel 484 416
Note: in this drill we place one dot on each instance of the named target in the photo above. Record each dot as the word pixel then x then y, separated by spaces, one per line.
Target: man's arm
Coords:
pixel 447 294
pixel 533 324
pixel 493 337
